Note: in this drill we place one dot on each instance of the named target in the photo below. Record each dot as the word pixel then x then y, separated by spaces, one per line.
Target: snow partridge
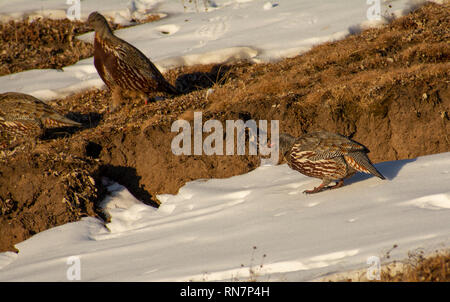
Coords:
pixel 123 67
pixel 22 115
pixel 325 155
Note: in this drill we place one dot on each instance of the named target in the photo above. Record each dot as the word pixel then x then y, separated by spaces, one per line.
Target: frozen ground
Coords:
pixel 208 230
pixel 256 30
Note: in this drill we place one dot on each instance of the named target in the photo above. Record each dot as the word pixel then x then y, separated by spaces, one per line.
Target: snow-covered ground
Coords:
pixel 208 231
pixel 256 30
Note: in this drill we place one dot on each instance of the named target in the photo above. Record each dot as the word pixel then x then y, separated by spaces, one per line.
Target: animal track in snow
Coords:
pixel 214 29
pixel 305 20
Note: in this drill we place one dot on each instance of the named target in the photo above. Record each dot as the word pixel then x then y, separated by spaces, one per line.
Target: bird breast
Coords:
pixel 304 162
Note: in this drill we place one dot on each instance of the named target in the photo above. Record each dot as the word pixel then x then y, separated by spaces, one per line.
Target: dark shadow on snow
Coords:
pixel 127 177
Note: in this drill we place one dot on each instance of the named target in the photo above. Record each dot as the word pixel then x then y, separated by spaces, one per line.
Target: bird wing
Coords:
pixel 19 107
pixel 25 109
pixel 140 61
pixel 51 118
pixel 360 162
pixel 323 145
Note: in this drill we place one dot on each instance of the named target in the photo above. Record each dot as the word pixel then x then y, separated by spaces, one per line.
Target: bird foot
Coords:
pixel 315 190
pixel 322 187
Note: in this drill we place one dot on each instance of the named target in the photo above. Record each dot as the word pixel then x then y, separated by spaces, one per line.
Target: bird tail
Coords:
pixel 60 121
pixel 360 162
pixel 169 88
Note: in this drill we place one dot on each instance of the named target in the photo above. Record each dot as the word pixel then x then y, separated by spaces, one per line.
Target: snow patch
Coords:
pixel 215 223
pixel 7 258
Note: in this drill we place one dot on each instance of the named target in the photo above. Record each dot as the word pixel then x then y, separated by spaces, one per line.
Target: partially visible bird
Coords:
pixel 326 155
pixel 22 115
pixel 122 66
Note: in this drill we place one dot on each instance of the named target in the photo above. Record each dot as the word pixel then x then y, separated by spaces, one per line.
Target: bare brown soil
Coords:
pixel 388 88
pixel 40 189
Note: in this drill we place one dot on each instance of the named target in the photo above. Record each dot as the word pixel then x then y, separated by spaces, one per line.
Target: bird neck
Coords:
pixel 104 32
pixel 286 142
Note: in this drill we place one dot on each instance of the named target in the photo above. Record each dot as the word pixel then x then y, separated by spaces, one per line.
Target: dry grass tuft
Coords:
pixel 41 43
pixel 46 43
pixel 421 268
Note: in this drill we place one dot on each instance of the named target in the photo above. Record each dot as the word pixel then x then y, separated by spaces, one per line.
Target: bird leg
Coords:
pixel 151 99
pixel 324 186
pixel 116 99
pixel 148 99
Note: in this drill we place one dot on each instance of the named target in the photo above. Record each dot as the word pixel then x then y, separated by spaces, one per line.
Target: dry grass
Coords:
pixel 420 268
pixel 41 44
pixel 340 72
pixel 417 267
pixel 254 270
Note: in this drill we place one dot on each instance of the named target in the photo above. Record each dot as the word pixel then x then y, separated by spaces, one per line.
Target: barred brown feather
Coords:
pixel 325 155
pixel 121 66
pixel 23 115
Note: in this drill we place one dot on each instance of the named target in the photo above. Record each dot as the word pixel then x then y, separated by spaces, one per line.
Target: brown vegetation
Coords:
pixel 417 267
pixel 421 268
pixel 46 43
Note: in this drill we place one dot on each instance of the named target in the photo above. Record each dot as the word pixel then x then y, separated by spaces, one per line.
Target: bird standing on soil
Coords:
pixel 122 66
pixel 22 115
pixel 326 155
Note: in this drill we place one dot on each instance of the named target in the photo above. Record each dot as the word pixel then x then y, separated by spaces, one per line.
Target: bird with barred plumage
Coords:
pixel 327 156
pixel 24 116
pixel 123 67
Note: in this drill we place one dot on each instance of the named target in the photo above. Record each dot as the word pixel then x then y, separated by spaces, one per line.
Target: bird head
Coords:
pixel 99 23
pixel 285 143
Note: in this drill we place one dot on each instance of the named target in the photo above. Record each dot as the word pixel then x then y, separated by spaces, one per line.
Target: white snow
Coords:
pixel 208 231
pixel 255 30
